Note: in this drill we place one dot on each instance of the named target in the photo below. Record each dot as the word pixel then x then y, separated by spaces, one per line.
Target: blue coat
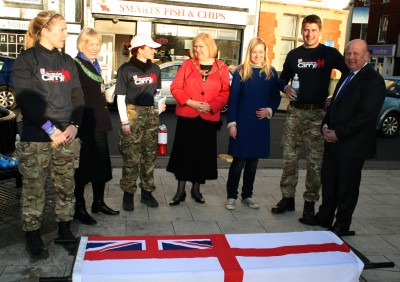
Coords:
pixel 253 135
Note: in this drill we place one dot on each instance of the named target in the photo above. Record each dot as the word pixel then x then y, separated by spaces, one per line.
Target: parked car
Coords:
pixel 7 98
pixel 389 116
pixel 168 72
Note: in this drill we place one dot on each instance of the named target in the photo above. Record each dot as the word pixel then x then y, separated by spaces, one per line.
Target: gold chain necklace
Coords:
pixel 205 73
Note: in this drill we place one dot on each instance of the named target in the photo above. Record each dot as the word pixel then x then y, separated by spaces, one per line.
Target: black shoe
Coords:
pixel 341 231
pixel 100 206
pixel 284 205
pixel 148 199
pixel 198 197
pixel 127 202
pixel 312 221
pixel 177 199
pixel 83 216
pixel 308 211
pixel 35 246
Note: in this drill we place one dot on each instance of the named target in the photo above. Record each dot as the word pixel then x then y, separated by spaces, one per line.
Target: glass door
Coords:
pixel 106 57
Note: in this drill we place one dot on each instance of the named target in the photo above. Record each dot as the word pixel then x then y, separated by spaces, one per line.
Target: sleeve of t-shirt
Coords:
pixel 339 62
pixel 32 106
pixel 122 81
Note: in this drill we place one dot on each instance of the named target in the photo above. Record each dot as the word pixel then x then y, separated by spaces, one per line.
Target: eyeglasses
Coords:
pixel 47 23
pixel 201 47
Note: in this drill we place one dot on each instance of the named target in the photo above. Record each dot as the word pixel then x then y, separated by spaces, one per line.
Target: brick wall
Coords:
pixel 378 9
pixel 266 31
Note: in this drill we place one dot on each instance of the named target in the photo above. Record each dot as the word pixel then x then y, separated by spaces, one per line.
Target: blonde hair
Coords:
pixel 43 19
pixel 86 35
pixel 208 40
pixel 245 69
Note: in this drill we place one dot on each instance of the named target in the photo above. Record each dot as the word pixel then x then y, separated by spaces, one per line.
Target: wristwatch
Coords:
pixel 74 124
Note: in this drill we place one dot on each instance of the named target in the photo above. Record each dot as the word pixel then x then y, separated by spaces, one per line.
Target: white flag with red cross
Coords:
pixel 295 256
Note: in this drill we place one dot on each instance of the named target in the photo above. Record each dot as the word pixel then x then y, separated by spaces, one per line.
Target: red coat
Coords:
pixel 188 84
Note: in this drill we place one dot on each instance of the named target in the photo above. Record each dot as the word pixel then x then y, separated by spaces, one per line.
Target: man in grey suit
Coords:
pixel 350 138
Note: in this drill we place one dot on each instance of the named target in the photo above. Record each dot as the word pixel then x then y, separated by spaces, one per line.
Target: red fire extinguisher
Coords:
pixel 162 139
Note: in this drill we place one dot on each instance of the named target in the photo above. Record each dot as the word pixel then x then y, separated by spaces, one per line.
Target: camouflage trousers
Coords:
pixel 302 127
pixel 36 159
pixel 139 149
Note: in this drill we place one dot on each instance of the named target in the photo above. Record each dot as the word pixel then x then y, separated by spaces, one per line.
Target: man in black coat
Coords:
pixel 350 138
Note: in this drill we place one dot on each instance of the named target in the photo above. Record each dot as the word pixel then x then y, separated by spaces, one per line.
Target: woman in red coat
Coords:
pixel 201 89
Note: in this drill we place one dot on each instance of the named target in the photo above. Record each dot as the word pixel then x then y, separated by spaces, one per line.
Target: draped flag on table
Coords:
pixel 296 256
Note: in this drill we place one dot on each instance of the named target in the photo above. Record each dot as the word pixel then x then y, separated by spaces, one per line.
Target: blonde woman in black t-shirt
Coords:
pixel 50 97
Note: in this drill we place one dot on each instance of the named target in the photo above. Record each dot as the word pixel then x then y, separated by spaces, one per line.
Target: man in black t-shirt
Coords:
pixel 313 63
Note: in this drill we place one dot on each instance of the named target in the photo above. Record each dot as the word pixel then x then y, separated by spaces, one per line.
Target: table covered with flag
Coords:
pixel 294 256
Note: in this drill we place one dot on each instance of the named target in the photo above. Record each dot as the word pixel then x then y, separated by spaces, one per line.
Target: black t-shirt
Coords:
pixel 314 67
pixel 138 84
pixel 45 82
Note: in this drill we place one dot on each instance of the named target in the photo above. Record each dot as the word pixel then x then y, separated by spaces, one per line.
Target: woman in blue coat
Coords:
pixel 254 98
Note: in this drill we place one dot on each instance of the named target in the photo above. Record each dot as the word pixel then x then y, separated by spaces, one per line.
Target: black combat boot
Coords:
pixel 127 202
pixel 65 235
pixel 35 246
pixel 308 213
pixel 284 205
pixel 148 199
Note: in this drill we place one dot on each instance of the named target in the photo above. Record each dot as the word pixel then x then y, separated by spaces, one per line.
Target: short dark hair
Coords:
pixel 312 19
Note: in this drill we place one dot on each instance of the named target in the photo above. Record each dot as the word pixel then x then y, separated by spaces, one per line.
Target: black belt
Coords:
pixel 307 107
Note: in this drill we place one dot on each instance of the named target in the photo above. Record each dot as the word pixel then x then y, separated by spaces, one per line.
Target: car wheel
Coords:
pixel 224 109
pixel 7 98
pixel 390 125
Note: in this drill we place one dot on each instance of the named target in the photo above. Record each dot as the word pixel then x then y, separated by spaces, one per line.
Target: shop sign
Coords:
pixel 382 50
pixel 155 10
pixel 162 40
pixel 13 24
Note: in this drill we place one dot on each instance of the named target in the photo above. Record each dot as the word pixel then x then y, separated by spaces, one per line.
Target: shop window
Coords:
pixel 25 1
pixel 363 31
pixel 35 4
pixel 211 31
pixel 166 29
pixel 177 40
pixel 383 24
pixel 11 44
pixel 187 31
pixel 227 34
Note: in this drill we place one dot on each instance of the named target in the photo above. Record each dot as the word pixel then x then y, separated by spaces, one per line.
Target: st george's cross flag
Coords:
pixel 295 256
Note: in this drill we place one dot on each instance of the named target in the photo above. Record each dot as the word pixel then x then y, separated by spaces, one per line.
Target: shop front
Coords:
pixel 173 25
pixel 12 37
pixel 382 58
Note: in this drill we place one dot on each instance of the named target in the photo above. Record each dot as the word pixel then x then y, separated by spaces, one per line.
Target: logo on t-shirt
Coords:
pixel 309 64
pixel 145 79
pixel 55 75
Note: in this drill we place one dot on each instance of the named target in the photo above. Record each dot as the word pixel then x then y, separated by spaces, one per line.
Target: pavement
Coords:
pixel 376 219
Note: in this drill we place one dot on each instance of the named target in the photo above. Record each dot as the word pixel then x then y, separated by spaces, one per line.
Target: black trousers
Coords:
pixel 340 179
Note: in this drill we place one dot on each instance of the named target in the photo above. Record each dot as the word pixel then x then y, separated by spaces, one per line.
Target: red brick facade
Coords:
pixel 266 30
